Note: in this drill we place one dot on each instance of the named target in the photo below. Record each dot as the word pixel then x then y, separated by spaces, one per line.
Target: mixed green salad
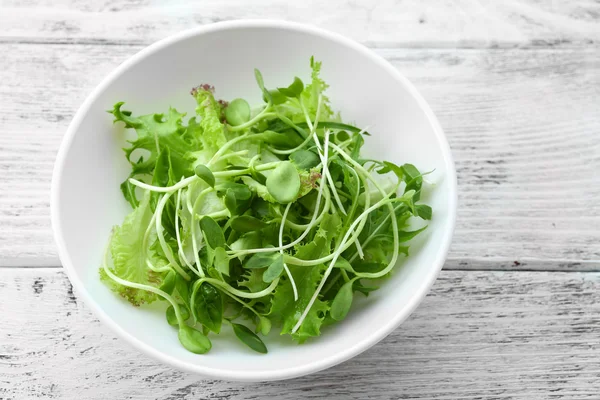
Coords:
pixel 257 218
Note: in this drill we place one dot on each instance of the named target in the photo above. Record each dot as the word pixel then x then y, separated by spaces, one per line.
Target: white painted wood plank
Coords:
pixel 523 125
pixel 387 23
pixel 485 335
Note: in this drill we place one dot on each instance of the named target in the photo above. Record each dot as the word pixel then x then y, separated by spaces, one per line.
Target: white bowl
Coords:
pixel 87 202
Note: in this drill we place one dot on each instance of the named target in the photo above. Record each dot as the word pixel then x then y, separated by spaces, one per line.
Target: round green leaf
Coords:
pixel 294 90
pixel 172 317
pixel 237 112
pixel 208 307
pixel 213 234
pixel 261 260
pixel 183 288
pixel 168 284
pixel 304 159
pixel 342 302
pixel 274 271
pixel 249 338
pixel 284 183
pixel 264 325
pixel 247 223
pixel 221 262
pixel 193 340
pixel 204 173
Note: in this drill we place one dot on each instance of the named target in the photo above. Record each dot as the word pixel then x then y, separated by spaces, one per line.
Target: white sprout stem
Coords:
pixel 262 114
pixel 239 293
pixel 166 189
pixel 287 270
pixel 140 286
pixel 395 252
pixel 302 227
pixel 226 147
pixel 290 151
pixel 328 175
pixel 307 117
pixel 336 255
pixel 233 154
pixel 309 137
pixel 180 251
pixel 310 224
pixel 161 239
pixel 359 249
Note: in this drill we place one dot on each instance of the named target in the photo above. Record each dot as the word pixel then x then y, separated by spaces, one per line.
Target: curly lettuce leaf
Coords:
pixel 286 311
pixel 310 94
pixel 283 307
pixel 210 130
pixel 129 256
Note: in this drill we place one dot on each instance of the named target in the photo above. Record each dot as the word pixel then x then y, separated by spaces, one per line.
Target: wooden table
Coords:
pixel 516 311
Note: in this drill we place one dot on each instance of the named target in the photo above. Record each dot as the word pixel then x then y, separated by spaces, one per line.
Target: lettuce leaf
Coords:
pixel 129 256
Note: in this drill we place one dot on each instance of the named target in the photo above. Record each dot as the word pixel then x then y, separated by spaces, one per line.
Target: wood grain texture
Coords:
pixel 387 23
pixel 523 125
pixel 484 335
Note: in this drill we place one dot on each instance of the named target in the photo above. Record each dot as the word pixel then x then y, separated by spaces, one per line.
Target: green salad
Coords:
pixel 254 219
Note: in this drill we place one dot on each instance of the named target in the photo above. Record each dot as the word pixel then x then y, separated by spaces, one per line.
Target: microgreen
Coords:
pixel 272 215
pixel 249 338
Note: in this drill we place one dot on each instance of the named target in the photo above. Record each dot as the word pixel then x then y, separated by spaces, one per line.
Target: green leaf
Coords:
pixel 342 302
pixel 221 262
pixel 213 234
pixel 286 140
pixel 261 260
pixel 261 84
pixel 252 279
pixel 260 190
pixel 335 125
pixel 208 307
pixel 276 97
pixel 237 112
pixel 129 257
pixel 250 240
pixel 295 88
pixel 356 145
pixel 391 167
pixel 247 223
pixel 164 131
pixel 168 283
pixel 274 270
pixel 342 263
pixel 312 91
pixel 172 317
pixel 204 173
pixel 286 311
pixel 183 288
pixel 305 159
pixel 264 325
pixel 249 338
pixel 128 190
pixel 210 131
pixel 413 179
pixel 284 183
pixel 424 211
pixel 193 340
pixel 406 236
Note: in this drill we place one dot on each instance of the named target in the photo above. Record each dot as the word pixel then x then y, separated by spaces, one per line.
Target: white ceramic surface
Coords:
pixel 87 202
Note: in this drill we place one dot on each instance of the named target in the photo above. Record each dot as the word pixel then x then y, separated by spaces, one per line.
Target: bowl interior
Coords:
pixel 87 201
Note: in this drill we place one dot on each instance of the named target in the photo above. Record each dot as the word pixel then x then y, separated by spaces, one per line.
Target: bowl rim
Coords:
pixel 253 376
